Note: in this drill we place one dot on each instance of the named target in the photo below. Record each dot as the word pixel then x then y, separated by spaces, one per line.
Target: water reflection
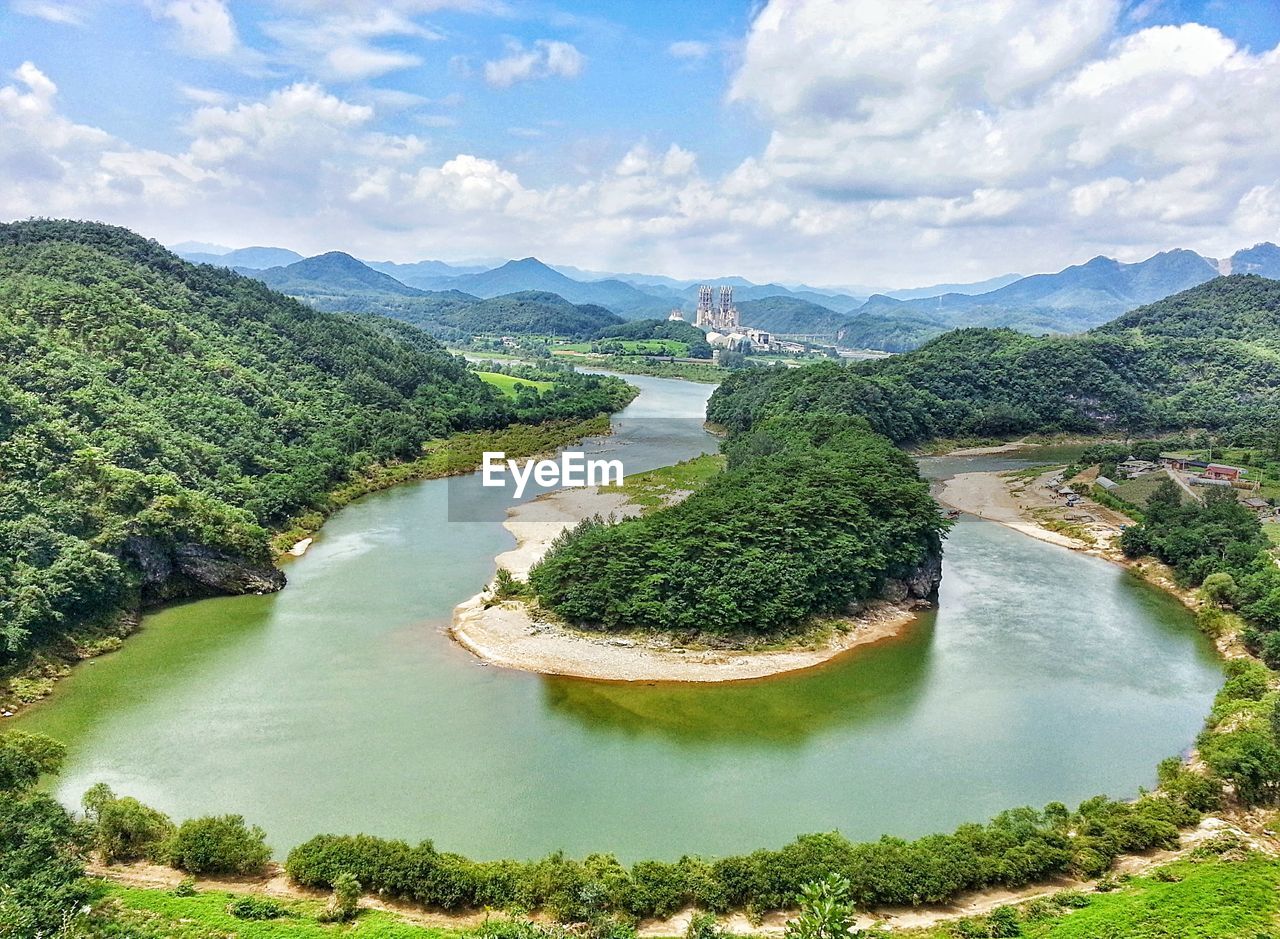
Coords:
pixel 867 689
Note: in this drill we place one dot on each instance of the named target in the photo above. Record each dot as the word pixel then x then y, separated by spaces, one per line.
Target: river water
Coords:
pixel 338 704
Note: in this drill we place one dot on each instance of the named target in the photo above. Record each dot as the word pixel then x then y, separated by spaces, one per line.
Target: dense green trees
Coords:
pixel 811 517
pixel 1015 848
pixel 1166 366
pixel 651 329
pixel 1218 544
pixel 147 403
pixel 123 828
pixel 42 884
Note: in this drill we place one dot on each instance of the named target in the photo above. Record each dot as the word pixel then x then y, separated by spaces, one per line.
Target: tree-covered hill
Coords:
pixel 791 316
pixel 530 274
pixel 1240 307
pixel 331 274
pixel 652 329
pixel 812 517
pixel 257 257
pixel 887 331
pixel 453 315
pixel 532 313
pixel 1072 299
pixel 338 283
pixel 158 417
pixel 1149 371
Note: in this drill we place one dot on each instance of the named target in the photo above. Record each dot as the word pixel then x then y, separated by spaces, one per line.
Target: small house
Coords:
pixel 1131 467
pixel 1222 471
pixel 1177 461
pixel 1258 505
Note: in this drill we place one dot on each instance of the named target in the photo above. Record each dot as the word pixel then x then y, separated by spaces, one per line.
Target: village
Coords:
pixel 1093 507
pixel 1194 476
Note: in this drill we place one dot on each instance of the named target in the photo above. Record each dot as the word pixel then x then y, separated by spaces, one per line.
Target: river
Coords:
pixel 339 705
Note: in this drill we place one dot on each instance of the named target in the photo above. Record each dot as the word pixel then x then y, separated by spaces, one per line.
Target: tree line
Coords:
pixel 145 398
pixel 811 517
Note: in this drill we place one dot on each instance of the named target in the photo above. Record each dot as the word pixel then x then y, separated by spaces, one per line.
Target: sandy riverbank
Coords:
pixel 511 635
pixel 987 495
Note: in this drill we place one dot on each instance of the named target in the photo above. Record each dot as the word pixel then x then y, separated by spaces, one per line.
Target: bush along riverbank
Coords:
pixel 1018 847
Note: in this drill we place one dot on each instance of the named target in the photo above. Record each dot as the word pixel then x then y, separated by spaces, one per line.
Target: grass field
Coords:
pixel 630 346
pixel 656 488
pixel 507 384
pixel 1138 491
pixel 159 914
pixel 1272 531
pixel 1212 899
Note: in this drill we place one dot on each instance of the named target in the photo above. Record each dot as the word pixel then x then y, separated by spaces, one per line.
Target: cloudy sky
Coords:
pixel 883 142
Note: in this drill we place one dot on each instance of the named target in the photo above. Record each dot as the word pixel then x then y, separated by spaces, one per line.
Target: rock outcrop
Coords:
pixel 921 583
pixel 185 570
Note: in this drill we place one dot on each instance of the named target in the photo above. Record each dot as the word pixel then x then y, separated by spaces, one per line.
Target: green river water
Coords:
pixel 339 705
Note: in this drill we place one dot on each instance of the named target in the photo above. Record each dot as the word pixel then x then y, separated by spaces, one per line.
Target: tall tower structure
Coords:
pixel 705 318
pixel 728 314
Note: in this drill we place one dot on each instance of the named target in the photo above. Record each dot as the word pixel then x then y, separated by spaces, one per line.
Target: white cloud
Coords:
pixel 55 166
pixel 63 13
pixel 547 58
pixel 288 126
pixel 990 116
pixel 203 95
pixel 205 27
pixel 912 141
pixel 689 49
pixel 342 45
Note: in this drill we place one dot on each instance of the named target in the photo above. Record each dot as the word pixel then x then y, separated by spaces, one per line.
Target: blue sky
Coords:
pixel 822 140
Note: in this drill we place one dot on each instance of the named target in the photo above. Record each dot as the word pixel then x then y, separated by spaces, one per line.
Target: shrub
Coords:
pixel 345 901
pixel 123 828
pixel 218 844
pixel 1219 588
pixel 826 912
pixel 1200 792
pixel 1246 681
pixel 506 586
pixel 704 926
pixel 258 908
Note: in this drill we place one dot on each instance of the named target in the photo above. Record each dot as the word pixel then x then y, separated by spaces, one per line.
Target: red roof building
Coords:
pixel 1220 471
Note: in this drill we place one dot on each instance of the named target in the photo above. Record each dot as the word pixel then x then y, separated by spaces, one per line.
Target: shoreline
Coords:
pixel 511 634
pixel 991 495
pixel 455 455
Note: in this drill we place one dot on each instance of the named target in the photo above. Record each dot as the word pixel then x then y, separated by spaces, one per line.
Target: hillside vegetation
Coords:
pixel 1203 358
pixel 791 316
pixel 159 418
pixel 811 517
pixel 338 283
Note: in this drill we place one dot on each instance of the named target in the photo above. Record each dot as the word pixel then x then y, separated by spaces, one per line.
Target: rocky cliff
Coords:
pixel 172 572
pixel 920 583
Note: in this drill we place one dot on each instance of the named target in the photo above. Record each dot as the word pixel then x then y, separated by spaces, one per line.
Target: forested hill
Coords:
pixel 1202 358
pixel 338 283
pixel 157 417
pixel 1241 307
pixel 791 315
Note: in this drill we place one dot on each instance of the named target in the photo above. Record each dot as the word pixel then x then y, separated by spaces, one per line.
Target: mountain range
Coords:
pixel 1074 299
